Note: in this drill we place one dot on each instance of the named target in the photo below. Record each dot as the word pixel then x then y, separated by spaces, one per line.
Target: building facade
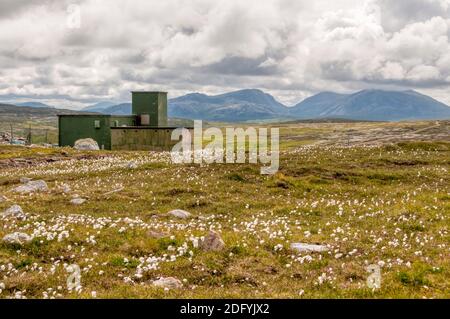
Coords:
pixel 145 129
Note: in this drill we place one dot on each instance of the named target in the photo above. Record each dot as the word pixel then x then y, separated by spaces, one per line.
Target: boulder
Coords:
pixel 32 186
pixel 17 238
pixel 14 210
pixel 212 242
pixel 86 144
pixel 168 282
pixel 302 247
pixel 179 213
pixel 25 180
pixel 77 201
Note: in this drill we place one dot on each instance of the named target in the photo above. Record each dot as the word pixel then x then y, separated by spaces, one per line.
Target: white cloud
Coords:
pixel 287 47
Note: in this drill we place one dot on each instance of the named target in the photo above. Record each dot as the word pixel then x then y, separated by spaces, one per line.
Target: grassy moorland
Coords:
pixel 374 193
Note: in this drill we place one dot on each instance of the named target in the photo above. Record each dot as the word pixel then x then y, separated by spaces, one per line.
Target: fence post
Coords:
pixel 12 136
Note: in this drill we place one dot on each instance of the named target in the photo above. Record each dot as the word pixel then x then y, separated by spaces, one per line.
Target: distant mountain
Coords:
pixel 240 105
pixel 14 110
pixel 251 105
pixel 98 107
pixel 34 104
pixel 119 109
pixel 376 105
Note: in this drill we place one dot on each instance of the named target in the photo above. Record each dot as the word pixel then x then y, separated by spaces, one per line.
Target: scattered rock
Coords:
pixel 17 238
pixel 301 247
pixel 212 242
pixel 179 213
pixel 25 180
pixel 14 210
pixel 132 165
pixel 168 282
pixel 86 144
pixel 32 186
pixel 157 234
pixel 65 188
pixel 77 201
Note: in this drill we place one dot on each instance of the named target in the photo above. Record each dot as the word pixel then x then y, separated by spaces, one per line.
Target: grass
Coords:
pixel 385 205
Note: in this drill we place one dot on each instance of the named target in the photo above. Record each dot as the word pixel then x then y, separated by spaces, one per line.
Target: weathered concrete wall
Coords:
pixel 142 138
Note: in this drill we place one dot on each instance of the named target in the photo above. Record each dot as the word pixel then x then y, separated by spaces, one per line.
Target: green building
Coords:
pixel 145 129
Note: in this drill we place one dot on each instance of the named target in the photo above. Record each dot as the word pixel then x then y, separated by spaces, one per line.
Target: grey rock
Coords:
pixel 179 213
pixel 17 238
pixel 168 282
pixel 302 247
pixel 77 201
pixel 14 210
pixel 25 180
pixel 65 188
pixel 32 186
pixel 132 165
pixel 86 144
pixel 212 242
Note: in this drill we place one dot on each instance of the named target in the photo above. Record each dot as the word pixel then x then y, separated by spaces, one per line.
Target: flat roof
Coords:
pixel 148 92
pixel 149 127
pixel 99 114
pixel 92 114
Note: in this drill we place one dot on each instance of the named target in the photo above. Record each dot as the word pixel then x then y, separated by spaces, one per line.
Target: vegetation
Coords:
pixel 371 200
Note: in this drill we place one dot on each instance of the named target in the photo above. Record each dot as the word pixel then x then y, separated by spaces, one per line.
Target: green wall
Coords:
pixel 74 127
pixel 121 120
pixel 151 103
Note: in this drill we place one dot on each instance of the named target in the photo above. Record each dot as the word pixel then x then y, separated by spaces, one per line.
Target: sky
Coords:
pixel 75 53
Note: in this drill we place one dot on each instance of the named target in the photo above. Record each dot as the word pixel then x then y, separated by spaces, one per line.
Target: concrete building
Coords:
pixel 145 129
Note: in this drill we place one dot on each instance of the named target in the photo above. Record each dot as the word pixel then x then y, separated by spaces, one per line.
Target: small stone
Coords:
pixel 17 238
pixel 32 186
pixel 212 242
pixel 65 188
pixel 132 165
pixel 302 247
pixel 86 144
pixel 14 210
pixel 156 234
pixel 77 201
pixel 25 180
pixel 179 213
pixel 168 282
pixel 3 199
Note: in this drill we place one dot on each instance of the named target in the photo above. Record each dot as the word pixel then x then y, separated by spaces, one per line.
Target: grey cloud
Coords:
pixel 395 14
pixel 289 47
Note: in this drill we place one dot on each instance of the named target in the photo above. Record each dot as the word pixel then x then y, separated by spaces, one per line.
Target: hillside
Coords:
pixel 253 105
pixel 35 104
pixel 383 204
pixel 257 106
pixel 375 105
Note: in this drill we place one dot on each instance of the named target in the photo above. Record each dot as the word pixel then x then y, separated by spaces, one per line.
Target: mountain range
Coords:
pixel 253 104
pixel 35 104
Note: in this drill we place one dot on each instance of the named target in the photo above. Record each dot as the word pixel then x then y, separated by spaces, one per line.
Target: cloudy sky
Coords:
pixel 72 53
